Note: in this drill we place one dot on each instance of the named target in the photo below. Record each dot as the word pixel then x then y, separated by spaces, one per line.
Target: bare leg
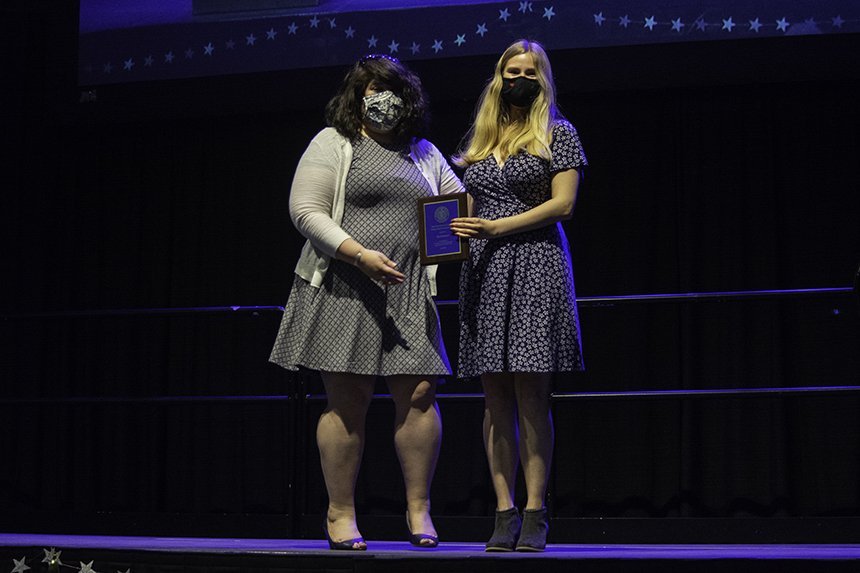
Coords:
pixel 340 437
pixel 417 437
pixel 535 422
pixel 501 436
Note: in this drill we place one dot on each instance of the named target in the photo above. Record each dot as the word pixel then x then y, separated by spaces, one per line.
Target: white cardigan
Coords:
pixel 318 192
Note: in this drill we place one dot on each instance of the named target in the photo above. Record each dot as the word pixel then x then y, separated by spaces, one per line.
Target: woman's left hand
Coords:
pixel 474 228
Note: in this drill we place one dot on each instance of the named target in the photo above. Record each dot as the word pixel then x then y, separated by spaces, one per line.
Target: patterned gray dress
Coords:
pixel 352 323
pixel 517 301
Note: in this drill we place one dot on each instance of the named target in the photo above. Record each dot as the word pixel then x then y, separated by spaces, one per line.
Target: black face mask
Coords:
pixel 520 91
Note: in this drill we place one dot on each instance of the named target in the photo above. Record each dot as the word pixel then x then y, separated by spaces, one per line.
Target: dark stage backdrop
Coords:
pixel 714 167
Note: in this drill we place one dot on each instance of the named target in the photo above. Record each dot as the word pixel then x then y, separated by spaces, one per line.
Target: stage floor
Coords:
pixel 117 553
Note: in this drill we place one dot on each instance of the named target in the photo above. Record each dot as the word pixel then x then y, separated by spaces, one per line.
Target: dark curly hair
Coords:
pixel 345 110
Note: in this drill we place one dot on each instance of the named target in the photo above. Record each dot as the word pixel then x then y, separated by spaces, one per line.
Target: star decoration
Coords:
pixel 504 14
pixel 437 46
pixel 599 19
pixel 52 556
pixel 128 65
pixel 525 6
pixel 331 23
pixel 701 24
pixel 208 49
pixel 838 21
pixel 189 53
pixel 291 29
pixel 482 29
pixel 271 33
pixel 393 46
pixel 548 13
pixel 623 21
pixel 755 25
pixel 148 61
pixel 350 32
pixel 371 42
pixel 250 39
pixel 230 44
pixel 677 25
pixel 461 39
pixel 728 24
pixel 87 567
pixel 650 23
pixel 782 24
pixel 415 48
pixel 168 57
pixel 20 566
pixel 315 22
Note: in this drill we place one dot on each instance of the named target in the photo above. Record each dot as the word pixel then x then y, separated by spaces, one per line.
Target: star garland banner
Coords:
pixel 317 38
pixel 53 564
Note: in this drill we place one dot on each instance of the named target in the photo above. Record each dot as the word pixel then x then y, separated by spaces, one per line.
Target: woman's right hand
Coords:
pixel 379 267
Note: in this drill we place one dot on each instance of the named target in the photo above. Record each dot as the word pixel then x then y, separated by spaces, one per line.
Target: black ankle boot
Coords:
pixel 506 532
pixel 535 526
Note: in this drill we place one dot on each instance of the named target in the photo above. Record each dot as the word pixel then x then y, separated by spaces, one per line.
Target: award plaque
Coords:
pixel 437 243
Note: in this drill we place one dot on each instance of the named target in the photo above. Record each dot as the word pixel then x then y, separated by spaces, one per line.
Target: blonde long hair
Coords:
pixel 495 128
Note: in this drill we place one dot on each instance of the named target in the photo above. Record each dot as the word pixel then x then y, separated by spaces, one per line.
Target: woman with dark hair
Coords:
pixel 361 304
pixel 518 316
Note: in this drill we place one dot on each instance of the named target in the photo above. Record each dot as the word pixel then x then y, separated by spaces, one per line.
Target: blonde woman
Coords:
pixel 518 317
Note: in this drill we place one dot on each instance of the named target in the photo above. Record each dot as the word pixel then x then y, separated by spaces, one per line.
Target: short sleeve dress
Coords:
pixel 517 299
pixel 351 323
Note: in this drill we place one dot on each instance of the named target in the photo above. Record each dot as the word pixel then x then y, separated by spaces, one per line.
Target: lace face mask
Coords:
pixel 383 111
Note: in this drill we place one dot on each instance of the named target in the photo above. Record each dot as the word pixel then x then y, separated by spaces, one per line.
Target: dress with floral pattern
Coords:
pixel 517 300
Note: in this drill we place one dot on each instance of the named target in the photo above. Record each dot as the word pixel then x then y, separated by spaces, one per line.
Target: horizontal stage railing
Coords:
pixel 455 397
pixel 588 301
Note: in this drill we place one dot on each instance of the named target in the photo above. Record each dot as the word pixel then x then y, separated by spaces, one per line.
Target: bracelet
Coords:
pixel 357 258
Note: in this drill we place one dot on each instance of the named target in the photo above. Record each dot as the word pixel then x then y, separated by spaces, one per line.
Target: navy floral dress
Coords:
pixel 517 299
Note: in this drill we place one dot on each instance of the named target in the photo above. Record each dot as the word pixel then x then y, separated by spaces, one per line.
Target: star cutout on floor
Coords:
pixel 548 13
pixel 315 22
pixel 504 14
pixel 755 25
pixel 437 46
pixel 271 33
pixel 461 39
pixel 599 19
pixel 782 24
pixel 650 23
pixel 371 41
pixel 482 29
pixel 52 556
pixel 292 29
pixel 677 25
pixel 728 24
pixel 415 48
pixel 350 32
pixel 208 49
pixel 623 21
pixel 250 39
pixel 393 47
